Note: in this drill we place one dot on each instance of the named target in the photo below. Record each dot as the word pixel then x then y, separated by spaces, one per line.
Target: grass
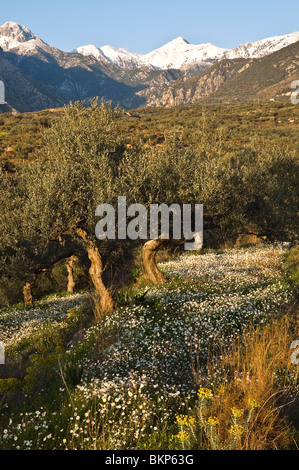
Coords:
pixel 251 408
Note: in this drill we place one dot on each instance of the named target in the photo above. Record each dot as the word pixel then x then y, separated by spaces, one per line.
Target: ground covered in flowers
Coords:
pixel 122 384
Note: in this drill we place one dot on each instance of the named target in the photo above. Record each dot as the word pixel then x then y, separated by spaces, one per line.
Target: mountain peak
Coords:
pixel 178 40
pixel 16 31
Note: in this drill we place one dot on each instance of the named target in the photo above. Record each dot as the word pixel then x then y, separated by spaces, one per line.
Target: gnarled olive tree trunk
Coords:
pixel 96 271
pixel 150 250
pixel 27 293
pixel 70 273
pixel 27 289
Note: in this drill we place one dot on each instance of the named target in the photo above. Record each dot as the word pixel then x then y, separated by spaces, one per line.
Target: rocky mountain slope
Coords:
pixel 237 79
pixel 38 76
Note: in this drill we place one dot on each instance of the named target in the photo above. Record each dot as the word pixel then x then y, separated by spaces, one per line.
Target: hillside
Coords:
pixel 21 135
pixel 269 77
pixel 238 79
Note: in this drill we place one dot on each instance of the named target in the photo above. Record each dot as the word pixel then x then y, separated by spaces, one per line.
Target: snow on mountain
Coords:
pixel 120 57
pixel 14 35
pixel 262 47
pixel 15 32
pixel 90 50
pixel 8 43
pixel 176 54
pixel 180 53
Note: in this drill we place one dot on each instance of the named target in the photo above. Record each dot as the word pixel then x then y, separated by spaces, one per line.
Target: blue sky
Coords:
pixel 142 26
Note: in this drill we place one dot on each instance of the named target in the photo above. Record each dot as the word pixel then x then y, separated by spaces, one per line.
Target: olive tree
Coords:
pixel 253 191
pixel 25 250
pixel 157 176
pixel 75 172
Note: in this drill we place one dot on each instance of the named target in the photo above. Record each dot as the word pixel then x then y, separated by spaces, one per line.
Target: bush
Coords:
pixel 292 265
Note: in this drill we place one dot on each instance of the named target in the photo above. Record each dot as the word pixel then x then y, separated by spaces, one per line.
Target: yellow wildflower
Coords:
pixel 237 413
pixel 183 436
pixel 252 403
pixel 204 393
pixel 236 430
pixel 212 421
pixel 185 420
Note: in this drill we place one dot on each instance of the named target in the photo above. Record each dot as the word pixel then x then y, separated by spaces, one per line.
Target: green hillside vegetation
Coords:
pixel 238 80
pixel 21 135
pixel 256 81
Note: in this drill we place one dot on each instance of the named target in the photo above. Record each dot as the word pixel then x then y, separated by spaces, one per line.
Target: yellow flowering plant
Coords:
pixel 254 404
pixel 185 420
pixel 237 413
pixel 204 393
pixel 236 430
pixel 212 421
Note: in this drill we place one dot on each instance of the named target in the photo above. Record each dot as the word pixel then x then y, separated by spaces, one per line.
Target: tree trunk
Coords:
pixel 150 250
pixel 28 299
pixel 70 273
pixel 96 271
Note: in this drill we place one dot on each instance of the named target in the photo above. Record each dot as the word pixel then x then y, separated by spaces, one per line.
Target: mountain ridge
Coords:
pixel 180 52
pixel 268 77
pixel 39 76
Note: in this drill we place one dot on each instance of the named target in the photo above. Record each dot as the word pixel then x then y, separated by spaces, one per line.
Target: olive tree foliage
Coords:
pixel 75 172
pixel 253 191
pixel 158 176
pixel 22 255
pixel 8 237
pixel 249 191
pixel 59 192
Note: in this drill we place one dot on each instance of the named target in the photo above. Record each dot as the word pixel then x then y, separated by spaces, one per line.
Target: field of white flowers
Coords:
pixel 133 372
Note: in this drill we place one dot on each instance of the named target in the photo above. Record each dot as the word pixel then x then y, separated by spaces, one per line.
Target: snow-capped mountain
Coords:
pixel 14 35
pixel 90 50
pixel 176 54
pixel 173 55
pixel 38 76
pixel 255 50
pixel 120 57
pixel 180 53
